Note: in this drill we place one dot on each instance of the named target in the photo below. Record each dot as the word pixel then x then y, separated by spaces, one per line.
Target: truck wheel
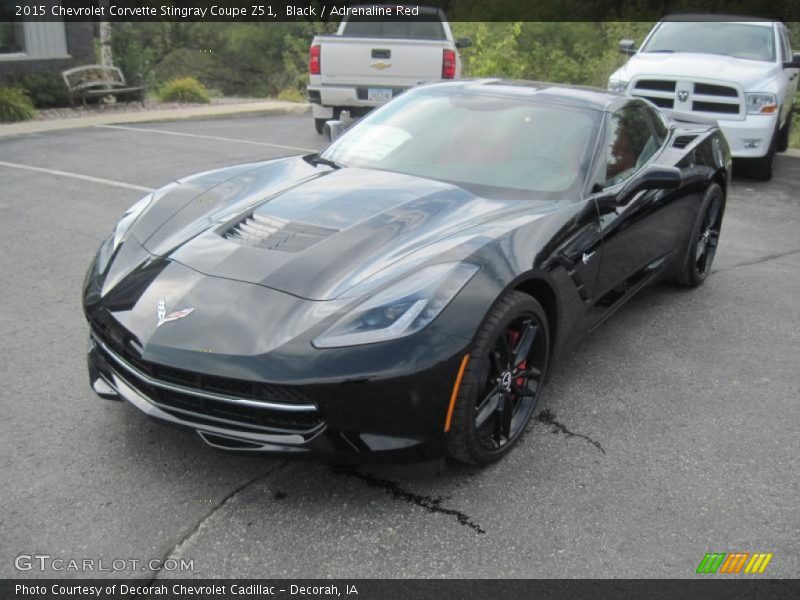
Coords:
pixel 319 124
pixel 785 133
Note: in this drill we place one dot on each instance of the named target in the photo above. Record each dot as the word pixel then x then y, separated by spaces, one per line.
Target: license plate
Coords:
pixel 379 94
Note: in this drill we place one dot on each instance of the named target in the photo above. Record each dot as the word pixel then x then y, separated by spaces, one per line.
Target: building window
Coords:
pixel 12 38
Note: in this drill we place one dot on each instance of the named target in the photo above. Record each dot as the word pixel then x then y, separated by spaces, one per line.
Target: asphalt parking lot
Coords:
pixel 674 433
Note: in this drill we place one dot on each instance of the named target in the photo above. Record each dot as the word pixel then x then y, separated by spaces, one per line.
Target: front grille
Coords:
pixel 656 84
pixel 709 89
pixel 271 233
pixel 715 107
pixel 182 392
pixel 660 102
pixel 700 97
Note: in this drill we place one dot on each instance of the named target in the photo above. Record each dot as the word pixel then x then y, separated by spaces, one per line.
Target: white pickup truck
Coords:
pixel 739 72
pixel 368 62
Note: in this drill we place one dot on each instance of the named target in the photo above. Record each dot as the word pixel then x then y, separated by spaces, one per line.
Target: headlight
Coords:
pixel 401 309
pixel 617 85
pixel 761 104
pixel 115 239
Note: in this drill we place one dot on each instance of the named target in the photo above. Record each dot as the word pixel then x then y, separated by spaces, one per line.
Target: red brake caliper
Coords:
pixel 512 337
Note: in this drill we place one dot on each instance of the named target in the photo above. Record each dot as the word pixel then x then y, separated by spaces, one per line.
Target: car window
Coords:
pixel 422 26
pixel 787 50
pixel 632 142
pixel 740 40
pixel 660 129
pixel 492 145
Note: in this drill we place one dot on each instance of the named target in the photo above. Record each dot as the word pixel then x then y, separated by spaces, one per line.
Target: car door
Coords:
pixel 636 229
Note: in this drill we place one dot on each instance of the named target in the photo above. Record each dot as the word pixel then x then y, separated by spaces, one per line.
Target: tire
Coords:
pixel 761 168
pixel 319 125
pixel 489 388
pixel 704 239
pixel 785 133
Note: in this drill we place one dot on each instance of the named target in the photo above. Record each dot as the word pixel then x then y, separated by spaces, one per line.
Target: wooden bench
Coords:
pixel 97 81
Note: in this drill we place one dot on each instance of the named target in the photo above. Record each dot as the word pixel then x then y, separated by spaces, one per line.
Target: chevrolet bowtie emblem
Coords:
pixel 163 317
pixel 380 65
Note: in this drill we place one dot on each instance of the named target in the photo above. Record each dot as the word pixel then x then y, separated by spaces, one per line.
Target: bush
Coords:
pixel 291 95
pixel 46 90
pixel 15 105
pixel 184 89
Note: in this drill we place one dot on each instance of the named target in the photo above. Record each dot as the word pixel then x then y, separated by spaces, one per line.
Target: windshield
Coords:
pixel 740 40
pixel 422 26
pixel 496 146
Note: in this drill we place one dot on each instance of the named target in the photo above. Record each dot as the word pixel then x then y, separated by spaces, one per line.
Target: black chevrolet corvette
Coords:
pixel 403 294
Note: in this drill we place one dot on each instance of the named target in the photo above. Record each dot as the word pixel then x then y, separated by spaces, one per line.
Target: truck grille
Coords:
pixel 207 399
pixel 687 96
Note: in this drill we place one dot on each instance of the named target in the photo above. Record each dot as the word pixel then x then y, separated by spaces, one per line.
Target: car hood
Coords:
pixel 312 232
pixel 750 74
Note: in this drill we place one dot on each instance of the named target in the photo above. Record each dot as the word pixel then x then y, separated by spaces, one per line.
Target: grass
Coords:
pixel 794 138
pixel 15 105
pixel 184 89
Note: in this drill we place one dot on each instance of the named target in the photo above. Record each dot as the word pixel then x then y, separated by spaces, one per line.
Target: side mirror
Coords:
pixel 794 63
pixel 464 42
pixel 653 177
pixel 333 129
pixel 627 47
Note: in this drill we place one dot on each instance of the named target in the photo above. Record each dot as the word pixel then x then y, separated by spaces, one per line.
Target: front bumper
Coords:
pixel 391 420
pixel 751 137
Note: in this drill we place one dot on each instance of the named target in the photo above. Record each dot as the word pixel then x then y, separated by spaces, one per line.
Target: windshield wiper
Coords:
pixel 658 51
pixel 316 159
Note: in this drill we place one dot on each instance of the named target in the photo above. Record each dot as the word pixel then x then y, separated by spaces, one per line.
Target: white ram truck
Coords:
pixel 740 73
pixel 368 62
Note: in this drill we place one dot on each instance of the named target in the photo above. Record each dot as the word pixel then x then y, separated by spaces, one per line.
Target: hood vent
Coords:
pixel 682 141
pixel 271 233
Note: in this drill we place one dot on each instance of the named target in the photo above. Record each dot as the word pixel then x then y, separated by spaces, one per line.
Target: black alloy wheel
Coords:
pixel 704 239
pixel 503 381
pixel 708 237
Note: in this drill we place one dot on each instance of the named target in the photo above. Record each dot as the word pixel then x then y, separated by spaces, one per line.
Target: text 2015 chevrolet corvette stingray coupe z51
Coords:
pixel 403 294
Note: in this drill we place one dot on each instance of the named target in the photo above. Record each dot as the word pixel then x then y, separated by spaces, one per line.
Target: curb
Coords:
pixel 155 116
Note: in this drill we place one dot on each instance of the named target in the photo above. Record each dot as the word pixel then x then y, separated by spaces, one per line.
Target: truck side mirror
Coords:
pixel 463 42
pixel 627 47
pixel 794 63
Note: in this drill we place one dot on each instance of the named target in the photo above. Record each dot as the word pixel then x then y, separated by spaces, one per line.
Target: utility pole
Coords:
pixel 104 30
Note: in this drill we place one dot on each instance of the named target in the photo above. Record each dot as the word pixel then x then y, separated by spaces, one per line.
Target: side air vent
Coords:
pixel 682 141
pixel 270 233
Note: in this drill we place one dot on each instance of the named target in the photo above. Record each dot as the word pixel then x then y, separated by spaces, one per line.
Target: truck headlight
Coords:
pixel 618 85
pixel 401 309
pixel 761 103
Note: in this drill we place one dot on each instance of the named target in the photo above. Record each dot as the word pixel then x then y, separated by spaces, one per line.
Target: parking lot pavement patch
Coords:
pixel 548 417
pixel 430 503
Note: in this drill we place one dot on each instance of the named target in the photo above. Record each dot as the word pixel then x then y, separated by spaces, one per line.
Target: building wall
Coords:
pixel 51 47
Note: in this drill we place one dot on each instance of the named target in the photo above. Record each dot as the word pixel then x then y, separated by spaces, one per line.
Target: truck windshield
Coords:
pixel 495 146
pixel 422 26
pixel 740 40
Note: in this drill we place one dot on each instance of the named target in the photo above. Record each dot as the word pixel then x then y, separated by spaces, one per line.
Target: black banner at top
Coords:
pixel 334 10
